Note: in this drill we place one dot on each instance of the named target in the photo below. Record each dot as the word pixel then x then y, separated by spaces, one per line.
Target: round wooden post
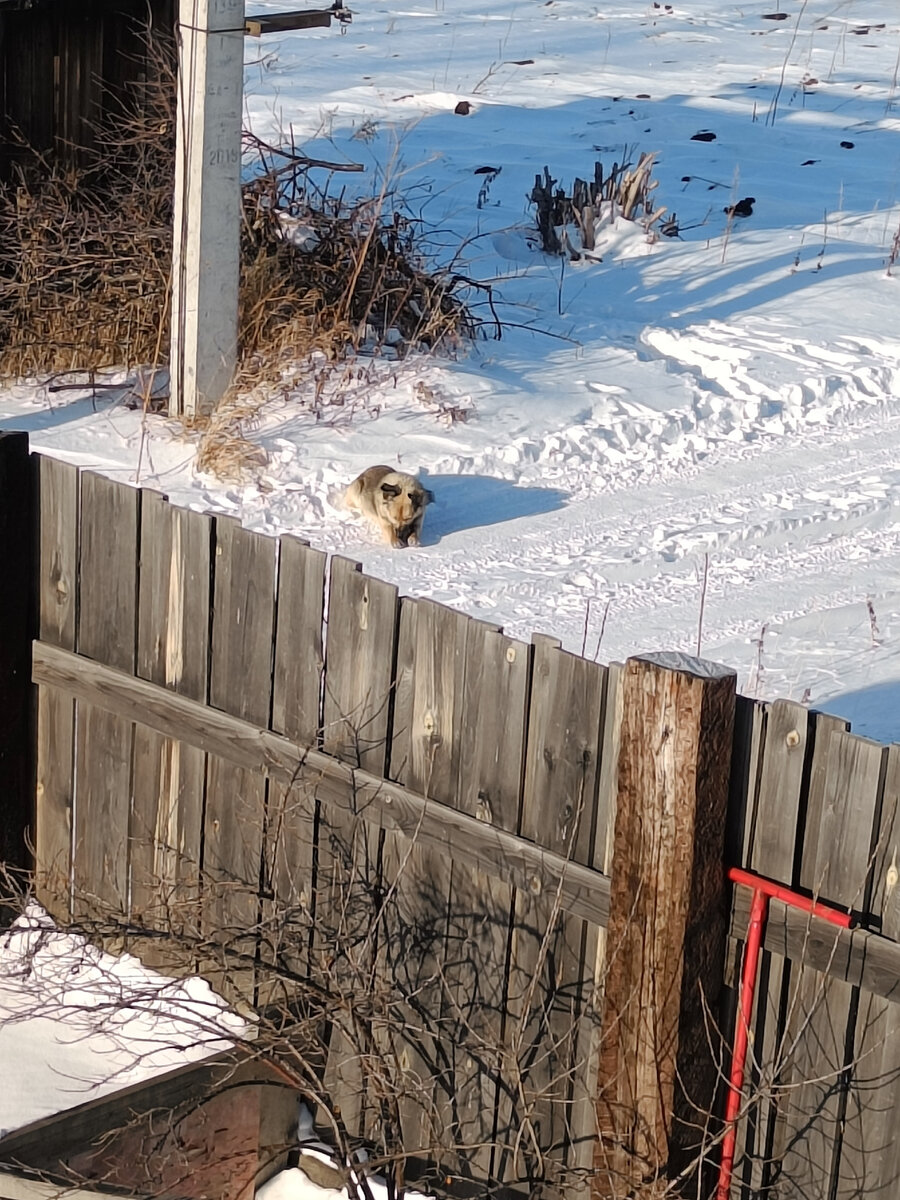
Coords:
pixel 667 928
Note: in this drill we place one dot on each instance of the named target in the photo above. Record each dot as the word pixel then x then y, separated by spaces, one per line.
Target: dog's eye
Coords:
pixel 389 491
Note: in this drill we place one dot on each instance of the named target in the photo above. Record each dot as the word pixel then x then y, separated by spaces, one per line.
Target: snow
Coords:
pixel 733 393
pixel 79 1023
pixel 308 1181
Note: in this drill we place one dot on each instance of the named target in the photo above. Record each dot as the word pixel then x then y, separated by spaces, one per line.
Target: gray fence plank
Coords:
pixel 489 787
pixel 240 682
pixel 425 755
pixel 107 606
pixel 548 971
pixel 357 696
pixel 584 1125
pixel 362 616
pixel 822 1011
pixel 296 713
pixel 170 775
pixel 782 734
pixel 870 1149
pixel 58 499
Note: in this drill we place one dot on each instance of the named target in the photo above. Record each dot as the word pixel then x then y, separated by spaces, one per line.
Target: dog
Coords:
pixel 392 501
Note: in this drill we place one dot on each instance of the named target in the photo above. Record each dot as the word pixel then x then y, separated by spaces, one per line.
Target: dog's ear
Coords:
pixel 390 491
pixel 429 496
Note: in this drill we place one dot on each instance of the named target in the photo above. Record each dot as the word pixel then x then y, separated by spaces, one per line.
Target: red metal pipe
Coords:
pixel 787 896
pixel 763 890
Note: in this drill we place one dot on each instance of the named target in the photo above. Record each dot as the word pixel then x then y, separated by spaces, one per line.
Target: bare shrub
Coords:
pixel 625 190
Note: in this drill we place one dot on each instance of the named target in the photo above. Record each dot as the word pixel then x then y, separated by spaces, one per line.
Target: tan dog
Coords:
pixel 391 500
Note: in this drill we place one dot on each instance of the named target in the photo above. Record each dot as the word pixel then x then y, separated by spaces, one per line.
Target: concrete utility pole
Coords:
pixel 206 259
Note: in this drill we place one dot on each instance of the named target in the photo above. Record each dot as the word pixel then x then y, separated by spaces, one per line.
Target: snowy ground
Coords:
pixel 733 393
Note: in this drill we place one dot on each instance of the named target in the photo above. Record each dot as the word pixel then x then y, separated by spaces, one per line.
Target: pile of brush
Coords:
pixel 321 272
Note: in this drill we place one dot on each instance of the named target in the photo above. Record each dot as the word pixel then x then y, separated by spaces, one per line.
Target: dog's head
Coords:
pixel 401 499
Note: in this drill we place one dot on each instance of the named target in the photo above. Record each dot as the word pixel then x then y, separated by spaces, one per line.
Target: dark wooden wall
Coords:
pixel 63 63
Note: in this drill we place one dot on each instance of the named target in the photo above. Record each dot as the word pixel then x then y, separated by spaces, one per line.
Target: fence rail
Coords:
pixel 238 726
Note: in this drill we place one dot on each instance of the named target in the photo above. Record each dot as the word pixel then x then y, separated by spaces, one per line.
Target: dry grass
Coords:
pixel 87 255
pixel 86 252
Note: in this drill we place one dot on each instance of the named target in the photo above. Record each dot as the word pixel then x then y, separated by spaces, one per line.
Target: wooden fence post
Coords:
pixel 667 930
pixel 17 628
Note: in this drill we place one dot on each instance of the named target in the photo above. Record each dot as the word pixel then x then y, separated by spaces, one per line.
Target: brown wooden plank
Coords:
pixel 240 682
pixel 547 972
pixel 58 500
pixel 489 787
pixel 666 930
pixel 357 696
pixel 821 1011
pixel 107 606
pixel 869 1162
pixel 296 712
pixel 581 890
pixel 170 776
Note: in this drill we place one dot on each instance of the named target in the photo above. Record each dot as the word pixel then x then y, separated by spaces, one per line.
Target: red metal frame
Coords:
pixel 763 891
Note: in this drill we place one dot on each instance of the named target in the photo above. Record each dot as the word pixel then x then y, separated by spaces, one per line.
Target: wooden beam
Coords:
pixel 285 22
pixel 582 891
pixel 858 956
pixel 667 930
pixel 77 1128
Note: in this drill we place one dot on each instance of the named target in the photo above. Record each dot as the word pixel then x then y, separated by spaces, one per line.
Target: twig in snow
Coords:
pixel 584 632
pixel 773 107
pixel 602 628
pixel 702 603
pixel 759 643
pixel 874 631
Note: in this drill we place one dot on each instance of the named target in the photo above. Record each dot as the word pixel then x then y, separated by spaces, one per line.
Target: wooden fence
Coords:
pixel 232 727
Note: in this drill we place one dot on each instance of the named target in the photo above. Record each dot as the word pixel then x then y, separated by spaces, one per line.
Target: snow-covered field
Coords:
pixel 731 393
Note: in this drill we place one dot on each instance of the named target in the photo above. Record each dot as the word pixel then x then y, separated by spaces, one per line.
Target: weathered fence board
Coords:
pixel 18 624
pixel 357 702
pixel 58 500
pixel 107 608
pixel 547 966
pixel 771 848
pixel 869 1162
pixel 296 713
pixel 170 775
pixel 240 681
pixel 489 788
pixel 425 756
pixel 822 1011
